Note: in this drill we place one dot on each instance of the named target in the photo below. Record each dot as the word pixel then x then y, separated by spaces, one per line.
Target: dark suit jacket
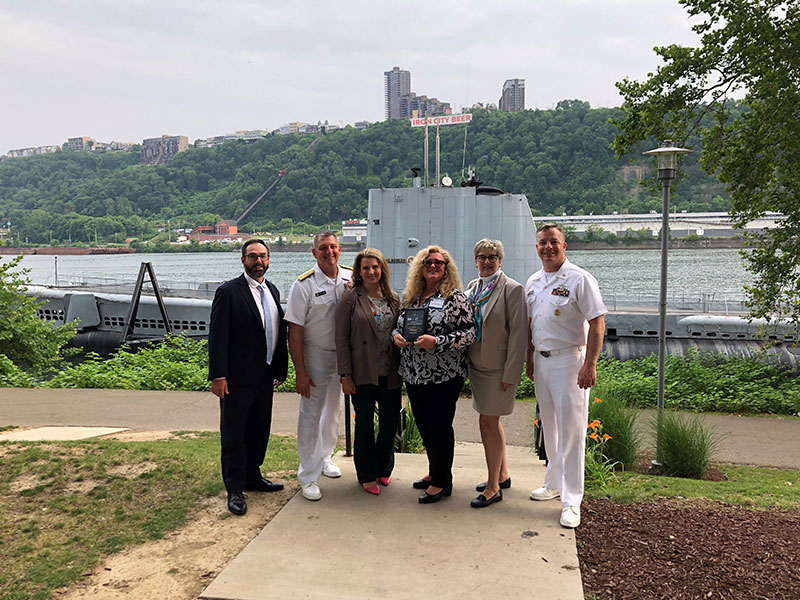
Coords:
pixel 237 349
pixel 357 349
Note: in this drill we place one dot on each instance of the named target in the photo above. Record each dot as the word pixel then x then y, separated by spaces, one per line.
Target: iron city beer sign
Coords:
pixel 443 120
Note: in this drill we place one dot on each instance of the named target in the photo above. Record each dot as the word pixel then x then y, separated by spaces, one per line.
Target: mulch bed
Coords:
pixel 688 549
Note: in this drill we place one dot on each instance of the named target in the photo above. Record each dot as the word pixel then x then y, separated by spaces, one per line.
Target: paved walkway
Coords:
pixel 744 440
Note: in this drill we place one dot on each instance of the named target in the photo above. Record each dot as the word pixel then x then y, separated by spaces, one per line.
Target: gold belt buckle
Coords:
pixel 545 353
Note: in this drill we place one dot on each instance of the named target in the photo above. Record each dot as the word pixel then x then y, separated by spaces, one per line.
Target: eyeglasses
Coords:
pixel 492 258
pixel 252 256
pixel 434 263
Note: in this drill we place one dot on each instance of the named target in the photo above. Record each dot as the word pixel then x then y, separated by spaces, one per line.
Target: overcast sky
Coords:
pixel 130 69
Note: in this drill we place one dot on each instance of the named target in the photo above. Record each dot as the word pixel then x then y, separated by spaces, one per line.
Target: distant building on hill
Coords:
pixel 17 152
pixel 81 143
pixel 354 230
pixel 160 150
pixel 513 96
pixel 402 103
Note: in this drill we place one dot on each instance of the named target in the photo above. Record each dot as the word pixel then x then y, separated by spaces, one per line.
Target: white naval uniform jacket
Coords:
pixel 561 308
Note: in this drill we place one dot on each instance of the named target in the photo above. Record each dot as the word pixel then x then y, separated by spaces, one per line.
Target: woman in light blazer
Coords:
pixel 368 366
pixel 495 360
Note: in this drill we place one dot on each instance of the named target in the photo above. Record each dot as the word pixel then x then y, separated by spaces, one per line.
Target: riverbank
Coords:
pixel 674 243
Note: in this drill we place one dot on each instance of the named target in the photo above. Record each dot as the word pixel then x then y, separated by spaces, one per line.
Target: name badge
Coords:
pixel 322 293
pixel 437 303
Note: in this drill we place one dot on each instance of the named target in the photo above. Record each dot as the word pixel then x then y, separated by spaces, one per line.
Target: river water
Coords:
pixel 622 274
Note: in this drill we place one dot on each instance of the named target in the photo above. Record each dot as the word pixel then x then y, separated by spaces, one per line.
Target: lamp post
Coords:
pixel 667 155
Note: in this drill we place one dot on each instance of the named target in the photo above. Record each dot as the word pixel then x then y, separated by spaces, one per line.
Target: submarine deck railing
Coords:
pixel 677 300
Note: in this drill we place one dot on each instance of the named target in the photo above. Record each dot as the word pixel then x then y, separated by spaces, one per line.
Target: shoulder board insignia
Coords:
pixel 346 267
pixel 305 275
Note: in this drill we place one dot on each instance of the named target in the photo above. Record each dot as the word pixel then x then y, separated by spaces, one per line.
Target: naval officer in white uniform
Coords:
pixel 567 322
pixel 310 311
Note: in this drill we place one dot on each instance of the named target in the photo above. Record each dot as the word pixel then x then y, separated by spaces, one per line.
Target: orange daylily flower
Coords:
pixel 594 436
pixel 606 437
pixel 596 399
pixel 594 424
pixel 536 422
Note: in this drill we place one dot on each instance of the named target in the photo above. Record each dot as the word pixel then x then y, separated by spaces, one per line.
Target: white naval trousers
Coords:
pixel 318 421
pixel 564 412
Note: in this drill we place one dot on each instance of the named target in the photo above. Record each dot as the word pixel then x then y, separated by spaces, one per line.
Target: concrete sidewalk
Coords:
pixel 744 440
pixel 354 545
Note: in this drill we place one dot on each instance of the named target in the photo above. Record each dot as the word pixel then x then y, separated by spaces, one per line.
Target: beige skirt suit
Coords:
pixel 500 353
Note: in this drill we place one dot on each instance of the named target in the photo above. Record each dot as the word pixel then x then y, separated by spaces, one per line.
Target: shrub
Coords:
pixel 28 341
pixel 620 423
pixel 598 468
pixel 11 375
pixel 179 363
pixel 408 438
pixel 685 445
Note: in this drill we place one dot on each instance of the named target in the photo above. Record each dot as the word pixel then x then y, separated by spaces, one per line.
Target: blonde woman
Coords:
pixel 495 360
pixel 434 365
pixel 368 364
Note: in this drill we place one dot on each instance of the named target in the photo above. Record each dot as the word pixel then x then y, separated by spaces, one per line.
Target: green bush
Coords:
pixel 179 363
pixel 12 376
pixel 619 422
pixel 685 445
pixel 31 343
pixel 409 440
pixel 701 381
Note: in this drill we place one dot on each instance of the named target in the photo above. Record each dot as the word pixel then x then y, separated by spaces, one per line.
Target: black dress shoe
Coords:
pixel 236 503
pixel 504 485
pixel 482 501
pixel 427 498
pixel 421 484
pixel 263 485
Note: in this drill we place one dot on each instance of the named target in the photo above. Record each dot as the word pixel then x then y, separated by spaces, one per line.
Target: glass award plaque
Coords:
pixel 414 320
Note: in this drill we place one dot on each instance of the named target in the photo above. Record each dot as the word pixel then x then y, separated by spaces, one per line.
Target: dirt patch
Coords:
pixel 24 482
pixel 138 435
pixel 184 562
pixel 129 471
pixel 682 550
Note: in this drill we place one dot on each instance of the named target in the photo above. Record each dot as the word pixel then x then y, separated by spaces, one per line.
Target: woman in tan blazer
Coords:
pixel 368 363
pixel 495 360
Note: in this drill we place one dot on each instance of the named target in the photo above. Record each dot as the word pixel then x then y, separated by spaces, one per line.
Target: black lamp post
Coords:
pixel 667 155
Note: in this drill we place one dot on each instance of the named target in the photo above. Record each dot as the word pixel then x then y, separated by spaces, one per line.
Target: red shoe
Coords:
pixel 371 488
pixel 384 480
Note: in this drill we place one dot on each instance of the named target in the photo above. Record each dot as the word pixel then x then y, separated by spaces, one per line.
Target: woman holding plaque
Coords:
pixel 368 366
pixel 495 360
pixel 435 327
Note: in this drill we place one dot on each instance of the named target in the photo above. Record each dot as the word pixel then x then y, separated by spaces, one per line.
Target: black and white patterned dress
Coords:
pixel 453 325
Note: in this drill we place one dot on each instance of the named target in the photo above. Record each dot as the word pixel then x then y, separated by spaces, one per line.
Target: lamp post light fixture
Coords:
pixel 667 155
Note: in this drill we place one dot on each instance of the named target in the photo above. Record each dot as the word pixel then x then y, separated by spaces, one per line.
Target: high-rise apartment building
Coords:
pixel 397 83
pixel 513 97
pixel 81 143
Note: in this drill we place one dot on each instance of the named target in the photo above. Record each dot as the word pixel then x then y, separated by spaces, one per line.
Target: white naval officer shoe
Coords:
pixel 571 516
pixel 544 493
pixel 331 470
pixel 311 491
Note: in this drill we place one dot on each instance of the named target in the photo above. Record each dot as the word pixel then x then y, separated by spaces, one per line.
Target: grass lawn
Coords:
pixel 65 505
pixel 756 487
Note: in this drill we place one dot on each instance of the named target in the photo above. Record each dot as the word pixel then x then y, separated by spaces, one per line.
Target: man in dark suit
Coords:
pixel 247 358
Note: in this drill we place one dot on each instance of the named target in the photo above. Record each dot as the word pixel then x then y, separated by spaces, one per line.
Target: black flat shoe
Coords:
pixel 236 503
pixel 482 501
pixel 504 485
pixel 427 498
pixel 263 485
pixel 421 484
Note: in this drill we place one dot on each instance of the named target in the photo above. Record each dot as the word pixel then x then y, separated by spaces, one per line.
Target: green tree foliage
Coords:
pixel 749 48
pixel 26 340
pixel 559 158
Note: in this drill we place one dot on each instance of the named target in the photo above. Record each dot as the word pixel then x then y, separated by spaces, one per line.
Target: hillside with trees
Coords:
pixel 560 158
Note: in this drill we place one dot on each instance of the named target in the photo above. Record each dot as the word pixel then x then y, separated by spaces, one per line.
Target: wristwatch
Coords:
pixel 343 375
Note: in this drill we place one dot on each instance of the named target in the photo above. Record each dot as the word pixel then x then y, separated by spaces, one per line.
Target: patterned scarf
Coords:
pixel 480 296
